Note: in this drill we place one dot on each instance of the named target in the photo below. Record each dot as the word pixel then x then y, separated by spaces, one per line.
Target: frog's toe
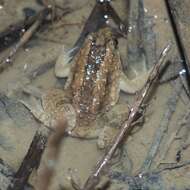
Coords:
pixel 62 66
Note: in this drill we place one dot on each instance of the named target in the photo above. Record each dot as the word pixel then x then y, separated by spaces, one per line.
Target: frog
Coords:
pixel 89 99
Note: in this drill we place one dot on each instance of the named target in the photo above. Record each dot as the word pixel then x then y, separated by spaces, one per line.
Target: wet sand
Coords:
pixel 82 155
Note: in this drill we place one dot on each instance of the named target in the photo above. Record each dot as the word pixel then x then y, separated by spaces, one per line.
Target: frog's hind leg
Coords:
pixel 103 135
pixel 36 109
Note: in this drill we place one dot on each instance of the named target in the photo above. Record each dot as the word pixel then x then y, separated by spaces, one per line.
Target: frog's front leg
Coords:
pixel 62 66
pixel 134 85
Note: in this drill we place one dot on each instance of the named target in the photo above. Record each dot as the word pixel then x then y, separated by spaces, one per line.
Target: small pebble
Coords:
pixel 106 16
pixel 130 28
pixel 25 67
pixel 26 49
pixel 145 10
pixel 166 20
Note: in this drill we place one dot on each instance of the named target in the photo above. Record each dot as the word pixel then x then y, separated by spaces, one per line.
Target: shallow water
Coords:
pixel 82 155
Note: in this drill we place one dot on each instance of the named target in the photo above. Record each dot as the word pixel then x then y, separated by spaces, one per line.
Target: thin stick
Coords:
pixel 93 179
pixel 26 36
pixel 172 166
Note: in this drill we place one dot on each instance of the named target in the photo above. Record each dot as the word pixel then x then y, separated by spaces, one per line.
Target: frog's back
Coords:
pixel 94 82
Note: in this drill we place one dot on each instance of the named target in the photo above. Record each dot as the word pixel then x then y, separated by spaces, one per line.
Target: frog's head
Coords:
pixel 103 37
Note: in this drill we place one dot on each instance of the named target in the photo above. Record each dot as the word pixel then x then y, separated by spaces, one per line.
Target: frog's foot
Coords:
pixel 105 136
pixel 62 66
pixel 36 109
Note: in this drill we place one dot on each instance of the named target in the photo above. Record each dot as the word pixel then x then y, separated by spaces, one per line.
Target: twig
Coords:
pixel 12 34
pixel 172 166
pixel 171 103
pixel 26 36
pixel 127 127
pixel 52 152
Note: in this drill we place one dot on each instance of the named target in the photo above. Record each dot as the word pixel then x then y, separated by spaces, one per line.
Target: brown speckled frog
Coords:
pixel 89 99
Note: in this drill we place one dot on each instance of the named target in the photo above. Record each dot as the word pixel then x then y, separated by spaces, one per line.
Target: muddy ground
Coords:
pixel 17 125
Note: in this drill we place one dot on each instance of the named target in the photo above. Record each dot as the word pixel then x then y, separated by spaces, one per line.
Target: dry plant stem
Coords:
pixel 127 126
pixel 172 166
pixel 25 38
pixel 32 159
pixel 46 171
pixel 171 106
